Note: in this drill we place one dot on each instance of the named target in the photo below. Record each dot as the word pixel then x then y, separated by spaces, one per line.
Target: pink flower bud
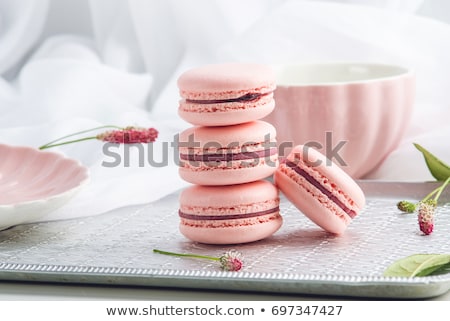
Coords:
pixel 426 217
pixel 231 261
pixel 129 135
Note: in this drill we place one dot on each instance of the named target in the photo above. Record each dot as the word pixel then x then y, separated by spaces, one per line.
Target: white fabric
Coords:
pixel 69 65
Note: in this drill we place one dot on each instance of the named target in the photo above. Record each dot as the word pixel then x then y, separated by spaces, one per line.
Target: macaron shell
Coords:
pixel 226 81
pixel 232 235
pixel 244 114
pixel 228 196
pixel 216 177
pixel 250 132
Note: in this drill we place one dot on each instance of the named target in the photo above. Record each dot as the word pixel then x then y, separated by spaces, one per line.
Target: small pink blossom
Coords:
pixel 129 135
pixel 426 217
pixel 231 261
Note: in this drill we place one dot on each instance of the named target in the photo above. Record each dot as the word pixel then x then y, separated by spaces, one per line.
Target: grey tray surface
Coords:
pixel 116 248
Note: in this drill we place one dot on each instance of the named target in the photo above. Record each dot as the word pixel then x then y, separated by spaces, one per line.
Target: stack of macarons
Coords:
pixel 227 154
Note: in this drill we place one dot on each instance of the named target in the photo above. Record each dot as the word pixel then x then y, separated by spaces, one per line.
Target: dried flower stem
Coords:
pixel 197 256
pixel 410 207
pixel 229 261
pixel 127 135
pixel 52 143
pixel 441 189
pixel 427 206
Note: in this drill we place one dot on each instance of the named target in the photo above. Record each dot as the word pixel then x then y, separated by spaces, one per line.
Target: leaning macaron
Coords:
pixel 319 189
pixel 230 214
pixel 226 94
pixel 228 155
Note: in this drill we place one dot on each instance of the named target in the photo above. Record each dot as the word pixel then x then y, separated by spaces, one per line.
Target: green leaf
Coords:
pixel 438 168
pixel 417 265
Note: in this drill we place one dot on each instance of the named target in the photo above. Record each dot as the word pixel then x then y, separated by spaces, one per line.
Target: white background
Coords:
pixel 68 65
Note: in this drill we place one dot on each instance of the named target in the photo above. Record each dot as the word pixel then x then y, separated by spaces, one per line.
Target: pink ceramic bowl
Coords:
pixel 354 113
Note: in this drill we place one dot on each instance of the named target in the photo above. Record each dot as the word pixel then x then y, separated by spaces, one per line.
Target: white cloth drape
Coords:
pixel 69 65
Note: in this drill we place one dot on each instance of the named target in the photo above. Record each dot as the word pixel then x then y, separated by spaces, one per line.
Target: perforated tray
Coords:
pixel 116 248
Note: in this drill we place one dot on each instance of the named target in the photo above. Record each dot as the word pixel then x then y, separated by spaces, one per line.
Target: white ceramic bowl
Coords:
pixel 355 113
pixel 33 183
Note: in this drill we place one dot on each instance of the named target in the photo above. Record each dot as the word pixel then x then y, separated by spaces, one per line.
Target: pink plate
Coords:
pixel 34 183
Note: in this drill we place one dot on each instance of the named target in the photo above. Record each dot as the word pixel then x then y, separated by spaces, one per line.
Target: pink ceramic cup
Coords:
pixel 354 113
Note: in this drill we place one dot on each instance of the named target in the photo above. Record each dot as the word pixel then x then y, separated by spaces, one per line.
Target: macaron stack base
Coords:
pixel 230 214
pixel 227 154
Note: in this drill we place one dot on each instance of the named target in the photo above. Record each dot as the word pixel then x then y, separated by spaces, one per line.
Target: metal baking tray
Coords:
pixel 115 248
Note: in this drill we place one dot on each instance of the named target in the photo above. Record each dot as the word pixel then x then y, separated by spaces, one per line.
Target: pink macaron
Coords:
pixel 226 94
pixel 319 189
pixel 230 214
pixel 227 155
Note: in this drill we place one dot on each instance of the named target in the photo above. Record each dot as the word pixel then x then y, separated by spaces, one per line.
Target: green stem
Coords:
pixel 187 255
pixel 67 142
pixel 49 144
pixel 441 189
pixel 432 193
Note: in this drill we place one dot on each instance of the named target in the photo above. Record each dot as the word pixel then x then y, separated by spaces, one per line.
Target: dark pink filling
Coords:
pixel 319 186
pixel 245 98
pixel 226 217
pixel 226 157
